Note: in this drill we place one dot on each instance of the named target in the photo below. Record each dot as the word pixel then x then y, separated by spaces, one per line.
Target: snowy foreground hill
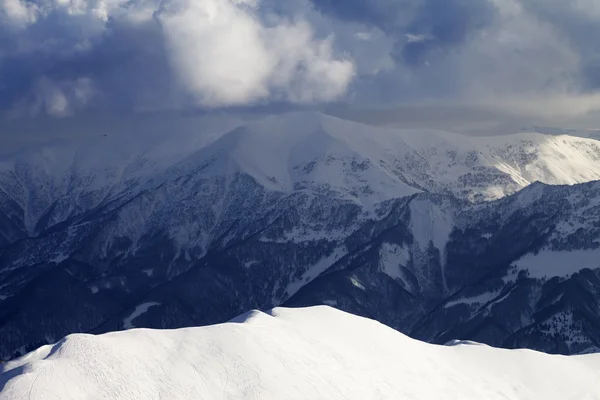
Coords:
pixel 312 353
pixel 439 235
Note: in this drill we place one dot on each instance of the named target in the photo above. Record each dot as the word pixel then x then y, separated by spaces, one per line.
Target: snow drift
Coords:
pixel 311 353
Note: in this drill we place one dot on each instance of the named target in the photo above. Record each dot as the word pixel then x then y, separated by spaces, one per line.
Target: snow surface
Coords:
pixel 312 353
pixel 430 224
pixel 479 299
pixel 315 270
pixel 392 258
pixel 547 263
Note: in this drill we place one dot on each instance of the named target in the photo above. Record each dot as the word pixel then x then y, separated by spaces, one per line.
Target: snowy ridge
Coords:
pixel 290 152
pixel 312 353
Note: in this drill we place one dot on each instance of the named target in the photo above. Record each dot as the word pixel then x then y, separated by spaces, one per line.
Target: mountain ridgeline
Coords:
pixel 293 354
pixel 438 235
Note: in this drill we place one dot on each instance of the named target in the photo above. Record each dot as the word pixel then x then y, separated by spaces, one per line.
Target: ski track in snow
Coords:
pixel 292 354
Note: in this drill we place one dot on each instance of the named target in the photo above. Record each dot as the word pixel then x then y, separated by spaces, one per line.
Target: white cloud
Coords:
pixel 366 36
pixel 220 53
pixel 412 38
pixel 225 54
pixel 17 13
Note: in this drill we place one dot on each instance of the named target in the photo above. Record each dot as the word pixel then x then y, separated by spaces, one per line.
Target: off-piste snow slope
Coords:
pixel 312 353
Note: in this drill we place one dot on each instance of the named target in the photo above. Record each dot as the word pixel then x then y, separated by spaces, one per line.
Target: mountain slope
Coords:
pixel 46 185
pixel 523 271
pixel 293 354
pixel 298 208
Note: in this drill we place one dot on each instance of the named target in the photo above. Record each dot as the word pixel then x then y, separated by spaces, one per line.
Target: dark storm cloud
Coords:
pixel 125 65
pixel 61 57
pixel 131 61
pixel 540 47
pixel 440 25
pixel 579 23
pixel 417 26
pixel 388 15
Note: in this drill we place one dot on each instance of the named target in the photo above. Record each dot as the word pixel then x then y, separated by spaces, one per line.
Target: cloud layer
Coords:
pixel 225 54
pixel 60 57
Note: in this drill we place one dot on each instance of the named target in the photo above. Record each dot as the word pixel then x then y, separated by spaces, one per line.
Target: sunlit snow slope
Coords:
pixel 312 353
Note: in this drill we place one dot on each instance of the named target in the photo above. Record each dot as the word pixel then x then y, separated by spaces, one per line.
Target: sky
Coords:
pixel 61 58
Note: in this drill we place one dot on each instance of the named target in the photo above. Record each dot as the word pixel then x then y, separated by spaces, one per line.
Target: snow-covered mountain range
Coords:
pixel 313 353
pixel 440 235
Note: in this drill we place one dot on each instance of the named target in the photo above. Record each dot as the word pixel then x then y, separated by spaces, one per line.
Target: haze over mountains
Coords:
pixel 439 235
